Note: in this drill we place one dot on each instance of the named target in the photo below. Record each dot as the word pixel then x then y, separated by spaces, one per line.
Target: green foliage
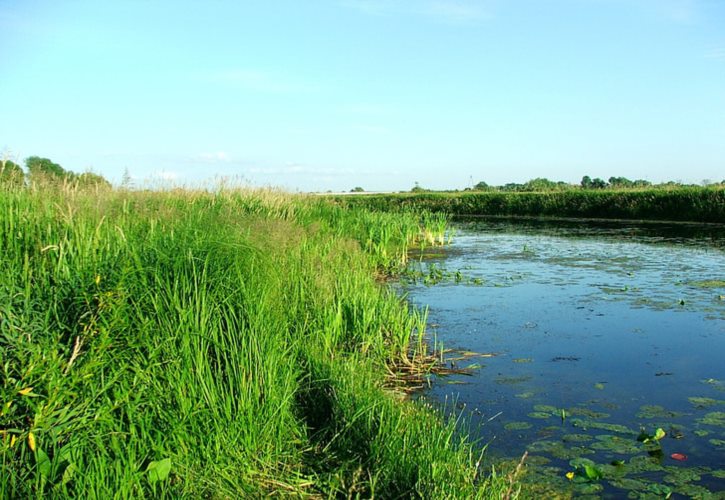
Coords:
pixel 357 189
pixel 683 203
pixel 46 169
pixel 90 179
pixel 11 173
pixel 223 345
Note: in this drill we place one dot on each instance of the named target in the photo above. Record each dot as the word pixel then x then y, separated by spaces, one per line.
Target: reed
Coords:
pixel 695 204
pixel 232 343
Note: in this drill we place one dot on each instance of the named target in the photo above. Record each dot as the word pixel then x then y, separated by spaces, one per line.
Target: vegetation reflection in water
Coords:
pixel 608 342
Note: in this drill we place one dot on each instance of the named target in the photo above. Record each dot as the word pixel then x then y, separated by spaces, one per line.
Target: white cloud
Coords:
pixel 216 157
pixel 716 53
pixel 456 11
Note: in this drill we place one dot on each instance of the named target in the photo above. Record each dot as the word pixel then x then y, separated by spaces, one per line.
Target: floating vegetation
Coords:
pixel 700 402
pixel 576 438
pixel 720 443
pixel 522 360
pixel 525 395
pixel 582 411
pixel 517 426
pixel 546 409
pixel 540 415
pixel 591 424
pixel 565 358
pixel 716 418
pixel 599 386
pixel 656 411
pixel 708 284
pixel 718 385
pixel 512 380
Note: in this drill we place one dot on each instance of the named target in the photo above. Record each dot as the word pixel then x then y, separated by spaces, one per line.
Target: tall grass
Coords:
pixel 228 344
pixel 705 204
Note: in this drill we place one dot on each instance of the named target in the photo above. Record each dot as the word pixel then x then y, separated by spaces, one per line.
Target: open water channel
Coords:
pixel 598 348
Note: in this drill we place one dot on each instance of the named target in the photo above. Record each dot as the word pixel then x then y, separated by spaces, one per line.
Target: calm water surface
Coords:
pixel 620 326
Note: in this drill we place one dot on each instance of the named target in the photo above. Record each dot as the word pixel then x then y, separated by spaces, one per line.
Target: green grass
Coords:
pixel 225 345
pixel 706 204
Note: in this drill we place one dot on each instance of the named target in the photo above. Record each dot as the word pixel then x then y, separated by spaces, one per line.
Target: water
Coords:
pixel 621 326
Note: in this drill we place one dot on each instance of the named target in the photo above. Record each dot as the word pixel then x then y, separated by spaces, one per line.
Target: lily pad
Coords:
pixel 512 380
pixel 699 402
pixel 546 408
pixel 693 491
pixel 523 360
pixel 656 411
pixel 616 444
pixel 590 424
pixel 539 415
pixel 626 483
pixel 720 443
pixel 586 412
pixel 517 426
pixel 644 463
pixel 681 475
pixel 716 418
pixel 576 438
pixel 702 433
pixel 720 473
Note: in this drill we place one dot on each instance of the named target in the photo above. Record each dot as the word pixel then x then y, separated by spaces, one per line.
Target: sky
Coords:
pixel 317 95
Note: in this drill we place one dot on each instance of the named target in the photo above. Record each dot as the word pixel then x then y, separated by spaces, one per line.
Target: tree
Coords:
pixel 90 179
pixel 620 182
pixel 596 183
pixel 357 189
pixel 417 188
pixel 481 186
pixel 11 173
pixel 540 184
pixel 39 168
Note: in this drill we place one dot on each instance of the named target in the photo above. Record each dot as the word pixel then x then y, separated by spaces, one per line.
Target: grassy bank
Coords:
pixel 212 345
pixel 705 204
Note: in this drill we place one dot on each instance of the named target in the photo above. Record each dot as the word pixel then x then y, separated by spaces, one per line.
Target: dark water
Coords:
pixel 620 326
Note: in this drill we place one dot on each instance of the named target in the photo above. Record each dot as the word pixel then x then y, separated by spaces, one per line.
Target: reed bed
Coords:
pixel 695 204
pixel 213 344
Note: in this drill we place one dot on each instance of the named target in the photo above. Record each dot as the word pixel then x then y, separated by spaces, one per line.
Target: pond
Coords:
pixel 598 348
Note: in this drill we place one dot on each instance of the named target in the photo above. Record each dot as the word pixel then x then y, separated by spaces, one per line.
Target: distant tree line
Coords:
pixel 541 184
pixel 39 169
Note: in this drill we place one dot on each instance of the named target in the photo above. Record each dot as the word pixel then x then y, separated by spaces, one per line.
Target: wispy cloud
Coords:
pixel 215 157
pixel 716 53
pixel 456 11
pixel 257 81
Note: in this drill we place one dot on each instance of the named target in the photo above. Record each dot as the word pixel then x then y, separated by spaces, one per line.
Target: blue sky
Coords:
pixel 313 95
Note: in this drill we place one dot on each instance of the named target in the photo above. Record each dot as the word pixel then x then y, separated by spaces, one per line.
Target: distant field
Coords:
pixel 706 204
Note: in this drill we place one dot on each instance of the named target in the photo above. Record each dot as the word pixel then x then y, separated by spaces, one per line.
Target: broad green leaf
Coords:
pixel 44 463
pixel 592 472
pixel 159 470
